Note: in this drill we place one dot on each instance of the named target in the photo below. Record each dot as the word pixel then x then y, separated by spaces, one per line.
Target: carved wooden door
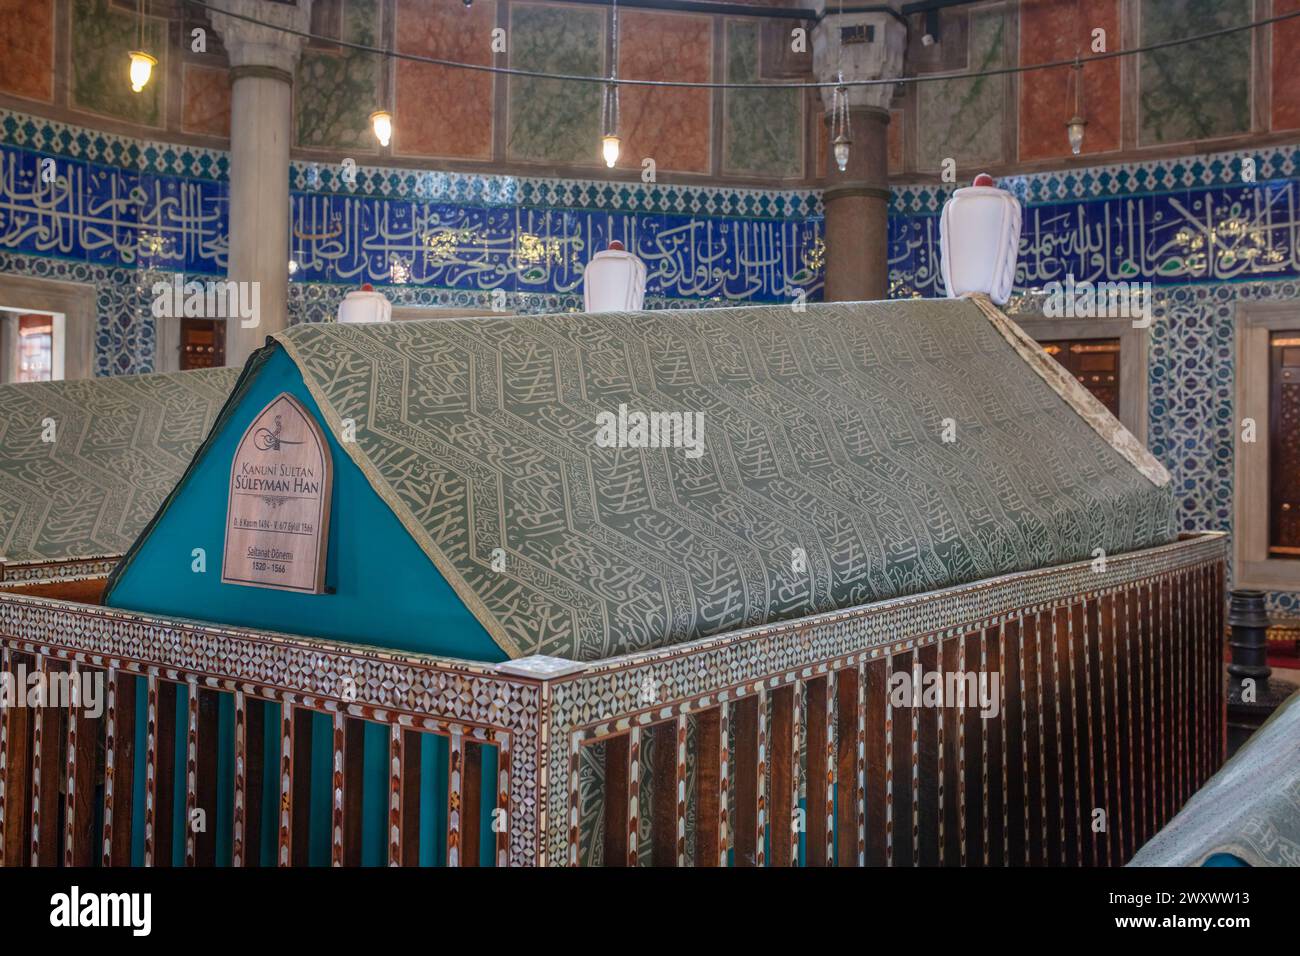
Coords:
pixel 1284 445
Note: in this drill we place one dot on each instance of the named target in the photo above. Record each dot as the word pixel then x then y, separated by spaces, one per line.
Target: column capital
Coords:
pixel 264 48
pixel 867 45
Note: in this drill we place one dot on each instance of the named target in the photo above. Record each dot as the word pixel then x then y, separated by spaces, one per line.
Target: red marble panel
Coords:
pixel 1286 78
pixel 674 126
pixel 440 111
pixel 1051 30
pixel 895 155
pixel 206 107
pixel 823 137
pixel 27 51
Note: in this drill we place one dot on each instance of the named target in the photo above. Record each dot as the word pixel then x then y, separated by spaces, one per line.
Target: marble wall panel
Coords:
pixel 894 155
pixel 440 111
pixel 552 121
pixel 27 61
pixel 964 119
pixel 1051 31
pixel 102 38
pixel 205 106
pixel 763 131
pixel 1196 91
pixel 1285 73
pixel 337 88
pixel 674 126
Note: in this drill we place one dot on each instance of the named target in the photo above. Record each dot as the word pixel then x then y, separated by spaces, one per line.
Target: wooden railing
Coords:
pixel 216 746
pixel 779 745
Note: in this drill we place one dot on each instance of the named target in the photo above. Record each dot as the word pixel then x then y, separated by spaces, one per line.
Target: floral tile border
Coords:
pixel 112 149
pixel 1119 179
pixel 588 194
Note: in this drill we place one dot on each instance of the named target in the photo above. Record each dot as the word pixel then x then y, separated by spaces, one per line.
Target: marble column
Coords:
pixel 866 45
pixel 262 62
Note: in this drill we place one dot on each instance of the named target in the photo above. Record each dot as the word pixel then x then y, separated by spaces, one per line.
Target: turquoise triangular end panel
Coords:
pixel 386 591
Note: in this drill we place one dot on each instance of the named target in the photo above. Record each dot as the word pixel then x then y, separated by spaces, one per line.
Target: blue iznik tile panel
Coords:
pixel 1116 180
pixel 128 204
pixel 124 330
pixel 527 249
pixel 1192 428
pixel 84 211
pixel 1196 222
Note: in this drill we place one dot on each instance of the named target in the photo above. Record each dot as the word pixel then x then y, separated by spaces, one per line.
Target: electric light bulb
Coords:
pixel 142 65
pixel 609 149
pixel 382 121
pixel 1074 130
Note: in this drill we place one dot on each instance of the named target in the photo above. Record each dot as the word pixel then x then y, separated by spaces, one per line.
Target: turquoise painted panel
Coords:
pixel 270 828
pixel 487 806
pixel 433 799
pixel 179 755
pixel 322 783
pixel 372 561
pixel 225 822
pixel 1225 859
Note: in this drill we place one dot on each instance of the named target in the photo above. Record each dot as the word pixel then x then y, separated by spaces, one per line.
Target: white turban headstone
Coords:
pixel 979 240
pixel 365 305
pixel 614 281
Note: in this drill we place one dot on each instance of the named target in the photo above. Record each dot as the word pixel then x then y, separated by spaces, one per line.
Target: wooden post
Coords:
pixel 821 770
pixel 710 786
pixel 80 754
pixel 119 766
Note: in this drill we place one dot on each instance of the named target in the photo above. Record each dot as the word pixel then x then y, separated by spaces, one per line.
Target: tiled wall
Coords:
pixel 121 213
pixel 1193 429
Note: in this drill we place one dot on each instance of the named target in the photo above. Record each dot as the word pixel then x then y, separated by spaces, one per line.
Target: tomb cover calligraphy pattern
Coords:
pixel 84 464
pixel 824 479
